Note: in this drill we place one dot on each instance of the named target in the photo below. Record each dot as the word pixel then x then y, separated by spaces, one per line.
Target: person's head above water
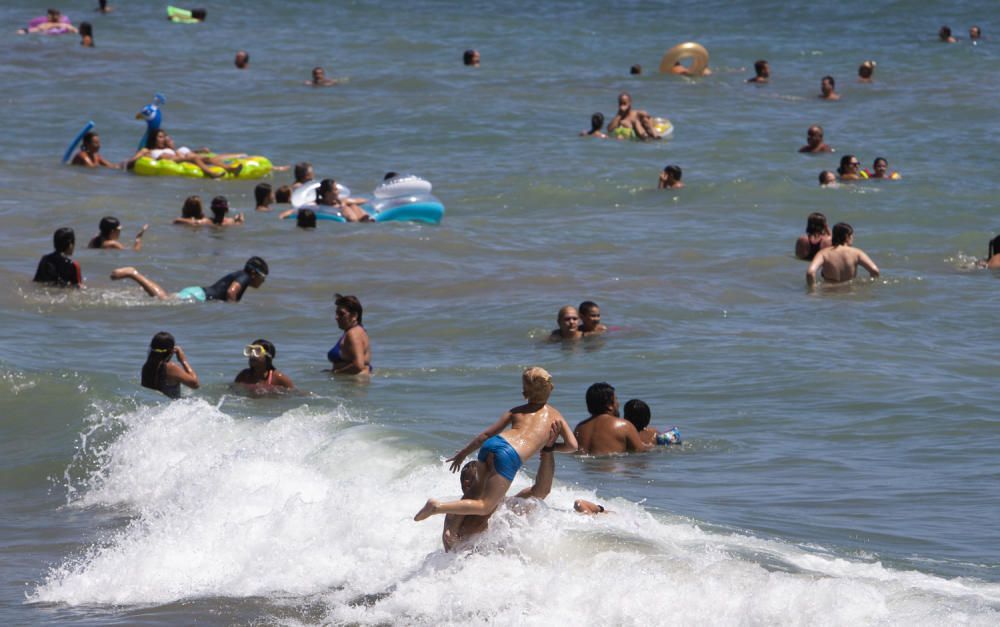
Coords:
pixel 536 384
pixel 157 140
pixel 349 304
pixel 471 58
pixel 975 33
pixel 318 74
pixel 827 85
pixel 283 195
pixel 994 247
pixel 199 14
pixel 848 164
pixel 389 176
pixel 596 122
pixel 637 412
pixel 192 208
pixel 327 190
pixel 816 223
pixel 624 102
pixel 63 240
pixel 674 172
pixel 91 142
pixel 108 225
pixel 261 349
pixel 257 269
pixel 263 193
pixel 866 69
pixel 473 479
pixel 842 232
pixel 635 70
pixel 601 399
pixel 944 34
pixel 590 315
pixel 568 320
pixel 762 69
pixel 220 207
pixel 305 219
pixel 827 177
pixel 242 59
pixel 303 172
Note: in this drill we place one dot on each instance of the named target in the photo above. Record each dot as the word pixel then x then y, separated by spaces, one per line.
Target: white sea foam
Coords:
pixel 316 508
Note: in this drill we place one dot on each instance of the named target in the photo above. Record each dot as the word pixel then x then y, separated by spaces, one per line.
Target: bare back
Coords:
pixel 605 434
pixel 530 426
pixel 840 263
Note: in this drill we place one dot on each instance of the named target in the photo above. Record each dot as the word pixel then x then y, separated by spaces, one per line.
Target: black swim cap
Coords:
pixel 256 264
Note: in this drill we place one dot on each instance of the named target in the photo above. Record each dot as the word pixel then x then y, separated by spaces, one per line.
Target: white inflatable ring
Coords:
pixel 689 50
pixel 407 185
pixel 305 195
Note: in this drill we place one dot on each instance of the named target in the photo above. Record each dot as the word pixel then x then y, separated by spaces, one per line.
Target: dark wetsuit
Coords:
pixel 217 290
pixel 58 269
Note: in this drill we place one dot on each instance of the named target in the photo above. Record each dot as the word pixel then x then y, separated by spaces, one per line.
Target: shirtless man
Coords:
pixel 242 60
pixel 319 78
pixel 604 432
pixel 89 155
pixel 628 118
pixel 814 140
pixel 590 319
pixel 762 69
pixel 840 262
pixel 569 325
pixel 944 35
pixel 670 178
pixel 529 428
pixel 826 89
pixel 974 34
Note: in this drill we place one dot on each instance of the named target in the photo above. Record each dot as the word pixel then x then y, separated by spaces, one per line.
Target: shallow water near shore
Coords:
pixel 838 445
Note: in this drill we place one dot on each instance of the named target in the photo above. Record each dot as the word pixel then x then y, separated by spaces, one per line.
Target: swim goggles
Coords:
pixel 255 350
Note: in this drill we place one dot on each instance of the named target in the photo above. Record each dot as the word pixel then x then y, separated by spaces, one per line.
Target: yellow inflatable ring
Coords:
pixel 689 50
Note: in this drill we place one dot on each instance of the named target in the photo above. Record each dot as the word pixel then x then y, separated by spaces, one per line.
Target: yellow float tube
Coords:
pixel 253 168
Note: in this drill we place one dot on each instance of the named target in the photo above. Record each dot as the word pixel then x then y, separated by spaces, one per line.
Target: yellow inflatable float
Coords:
pixel 682 52
pixel 253 168
pixel 662 125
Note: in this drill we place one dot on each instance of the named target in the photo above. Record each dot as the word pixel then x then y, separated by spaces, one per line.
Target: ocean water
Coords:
pixel 839 462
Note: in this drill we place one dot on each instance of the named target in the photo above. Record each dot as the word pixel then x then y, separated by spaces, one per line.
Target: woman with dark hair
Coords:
pixel 192 213
pixel 86 35
pixel 159 373
pixel 816 238
pixel 264 196
pixel 110 230
pixel 261 375
pixel 352 354
pixel 850 168
pixel 327 196
pixel 220 207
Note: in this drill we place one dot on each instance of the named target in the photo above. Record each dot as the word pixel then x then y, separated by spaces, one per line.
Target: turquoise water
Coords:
pixel 839 445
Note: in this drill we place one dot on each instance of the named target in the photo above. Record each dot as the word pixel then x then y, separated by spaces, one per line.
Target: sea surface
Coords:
pixel 839 464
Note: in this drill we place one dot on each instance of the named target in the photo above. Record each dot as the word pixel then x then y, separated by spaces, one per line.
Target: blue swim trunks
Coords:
pixel 506 461
pixel 197 293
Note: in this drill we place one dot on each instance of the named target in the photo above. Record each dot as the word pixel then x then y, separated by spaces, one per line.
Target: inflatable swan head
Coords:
pixel 152 115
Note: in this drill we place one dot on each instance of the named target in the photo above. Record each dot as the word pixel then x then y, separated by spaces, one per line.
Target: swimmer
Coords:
pixel 56 268
pixel 86 35
pixel 192 213
pixel 762 71
pixel 90 155
pixel 944 35
pixel 849 169
pixel 511 440
pixel 229 288
pixel 637 412
pixel 840 262
pixel 306 219
pixel 635 70
pixel 349 208
pixel 816 238
pixel 992 260
pixel 590 319
pixel 110 230
pixel 263 196
pixel 827 89
pixel 242 60
pixel 162 375
pixel 568 320
pixel 587 507
pixel 880 170
pixel 828 179
pixel 865 72
pixel 670 178
pixel 319 78
pixel 604 433
pixel 471 58
pixel 303 174
pixel 261 376
pixel 220 207
pixel 814 140
pixel 681 70
pixel 102 7
pixel 54 22
pixel 283 195
pixel 596 122
pixel 629 119
pixel 160 146
pixel 352 354
pixel 975 33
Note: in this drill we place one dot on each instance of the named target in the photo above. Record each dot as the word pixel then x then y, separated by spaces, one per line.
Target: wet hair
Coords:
pixel 220 206
pixel 199 14
pixel 994 247
pixel 866 69
pixel 192 208
pixel 305 219
pixel 107 226
pixel 637 412
pixel 882 159
pixel 674 171
pixel 600 396
pixel 635 69
pixel 301 171
pixel 89 137
pixel 283 194
pixel 63 238
pixel 759 66
pixel 468 56
pixel 596 122
pixel 270 352
pixel 537 384
pixel 86 29
pixel 823 177
pixel 262 193
pixel 816 223
pixel 256 265
pixel 841 231
pixel 349 303
pixel 944 32
pixel 586 306
pixel 325 186
pixel 833 83
pixel 151 138
pixel 389 175
pixel 161 348
pixel 845 163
